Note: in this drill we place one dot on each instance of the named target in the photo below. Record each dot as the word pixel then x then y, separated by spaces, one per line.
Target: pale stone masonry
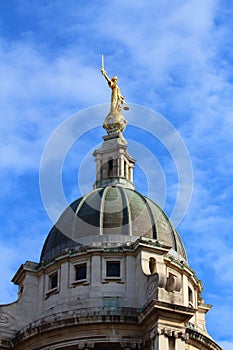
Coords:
pixel 113 274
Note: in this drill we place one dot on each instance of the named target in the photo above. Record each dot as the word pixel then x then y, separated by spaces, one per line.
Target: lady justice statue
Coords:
pixel 114 122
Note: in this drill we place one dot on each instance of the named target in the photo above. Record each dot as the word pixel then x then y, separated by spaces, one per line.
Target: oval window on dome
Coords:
pixel 152 265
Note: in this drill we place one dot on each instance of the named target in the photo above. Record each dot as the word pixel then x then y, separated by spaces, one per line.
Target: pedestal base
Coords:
pixel 114 122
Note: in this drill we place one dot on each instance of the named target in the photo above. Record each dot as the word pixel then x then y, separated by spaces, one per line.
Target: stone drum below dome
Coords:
pixel 108 217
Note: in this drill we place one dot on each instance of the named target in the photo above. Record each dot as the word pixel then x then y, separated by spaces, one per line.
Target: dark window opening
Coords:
pixel 152 265
pixel 190 295
pixel 125 169
pixel 172 343
pixel 110 167
pixel 100 171
pixel 113 268
pixel 81 272
pixel 53 280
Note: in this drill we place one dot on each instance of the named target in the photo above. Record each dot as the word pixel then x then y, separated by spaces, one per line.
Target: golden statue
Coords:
pixel 114 122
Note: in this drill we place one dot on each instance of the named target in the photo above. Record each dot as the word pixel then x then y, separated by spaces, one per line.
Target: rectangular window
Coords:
pixel 81 272
pixel 190 296
pixel 53 280
pixel 113 269
pixel 110 167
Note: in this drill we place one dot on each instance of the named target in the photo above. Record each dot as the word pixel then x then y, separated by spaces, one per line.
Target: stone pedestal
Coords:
pixel 114 122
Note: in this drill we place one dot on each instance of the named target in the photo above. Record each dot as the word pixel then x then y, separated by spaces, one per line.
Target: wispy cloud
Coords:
pixel 174 57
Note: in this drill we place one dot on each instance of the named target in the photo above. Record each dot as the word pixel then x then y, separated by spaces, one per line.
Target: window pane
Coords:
pixel 81 272
pixel 113 268
pixel 53 281
pixel 190 295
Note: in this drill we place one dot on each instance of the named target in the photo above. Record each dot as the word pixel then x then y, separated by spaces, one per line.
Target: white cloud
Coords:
pixel 12 254
pixel 172 56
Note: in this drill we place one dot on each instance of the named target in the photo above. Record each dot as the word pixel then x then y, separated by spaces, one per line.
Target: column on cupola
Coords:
pixel 98 168
pixel 168 342
pixel 118 167
pixel 122 165
pixel 126 172
pixel 114 165
pixel 161 343
pixel 180 344
pixel 131 173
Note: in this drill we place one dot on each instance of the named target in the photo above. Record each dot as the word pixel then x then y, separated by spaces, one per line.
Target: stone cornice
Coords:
pixel 131 248
pixel 181 314
pixel 78 317
pixel 28 267
pixel 198 337
pixel 5 344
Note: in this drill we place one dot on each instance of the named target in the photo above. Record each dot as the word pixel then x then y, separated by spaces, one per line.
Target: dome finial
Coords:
pixel 114 122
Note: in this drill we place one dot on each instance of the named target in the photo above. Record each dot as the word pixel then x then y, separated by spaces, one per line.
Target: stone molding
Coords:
pixel 130 345
pixel 5 344
pixel 169 333
pixel 77 317
pixel 6 320
pixel 85 345
pixel 197 337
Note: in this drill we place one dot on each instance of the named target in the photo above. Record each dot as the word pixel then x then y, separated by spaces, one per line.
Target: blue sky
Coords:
pixel 174 57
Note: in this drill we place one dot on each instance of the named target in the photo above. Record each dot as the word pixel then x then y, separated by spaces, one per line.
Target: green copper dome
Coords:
pixel 111 216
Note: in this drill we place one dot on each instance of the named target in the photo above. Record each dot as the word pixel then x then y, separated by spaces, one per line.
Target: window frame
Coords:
pixel 73 282
pixel 48 283
pixel 53 278
pixel 190 296
pixel 118 264
pixel 119 279
pixel 76 266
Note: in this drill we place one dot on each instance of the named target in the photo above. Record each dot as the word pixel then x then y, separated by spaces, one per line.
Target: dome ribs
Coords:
pixel 153 226
pixel 107 216
pixel 127 222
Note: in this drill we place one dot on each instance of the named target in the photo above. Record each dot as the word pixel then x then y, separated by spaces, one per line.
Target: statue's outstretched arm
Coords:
pixel 105 75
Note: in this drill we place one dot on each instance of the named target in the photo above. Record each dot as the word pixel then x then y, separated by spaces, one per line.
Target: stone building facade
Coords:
pixel 113 274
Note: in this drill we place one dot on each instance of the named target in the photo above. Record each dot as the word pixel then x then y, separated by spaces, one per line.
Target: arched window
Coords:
pixel 190 296
pixel 125 169
pixel 152 265
pixel 110 167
